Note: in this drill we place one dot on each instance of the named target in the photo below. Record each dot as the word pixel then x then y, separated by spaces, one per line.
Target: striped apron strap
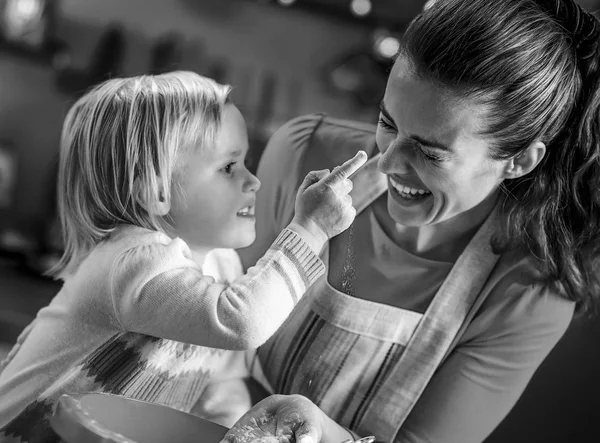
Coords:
pixel 436 333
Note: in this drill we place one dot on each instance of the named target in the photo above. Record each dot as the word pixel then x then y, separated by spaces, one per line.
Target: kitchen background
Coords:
pixel 284 58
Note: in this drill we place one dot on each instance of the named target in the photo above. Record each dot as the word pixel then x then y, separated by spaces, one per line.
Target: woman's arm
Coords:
pixel 485 375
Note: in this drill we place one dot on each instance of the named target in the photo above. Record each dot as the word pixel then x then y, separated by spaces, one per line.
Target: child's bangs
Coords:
pixel 202 101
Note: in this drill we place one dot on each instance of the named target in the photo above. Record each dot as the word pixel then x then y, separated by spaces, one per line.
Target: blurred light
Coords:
pixel 28 9
pixel 346 79
pixel 361 7
pixel 387 46
pixel 428 4
pixel 62 60
pixel 286 2
pixel 24 22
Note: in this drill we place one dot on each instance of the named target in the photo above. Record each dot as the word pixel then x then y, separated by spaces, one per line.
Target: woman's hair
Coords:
pixel 534 65
pixel 124 137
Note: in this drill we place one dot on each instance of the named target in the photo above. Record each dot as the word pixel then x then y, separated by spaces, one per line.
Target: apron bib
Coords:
pixel 365 364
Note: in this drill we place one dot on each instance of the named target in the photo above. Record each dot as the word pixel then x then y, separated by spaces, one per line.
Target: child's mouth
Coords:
pixel 248 211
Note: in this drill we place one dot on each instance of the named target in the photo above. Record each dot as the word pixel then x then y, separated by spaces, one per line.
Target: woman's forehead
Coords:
pixel 418 105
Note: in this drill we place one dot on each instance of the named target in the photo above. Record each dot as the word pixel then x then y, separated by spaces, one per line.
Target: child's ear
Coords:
pixel 153 204
pixel 526 161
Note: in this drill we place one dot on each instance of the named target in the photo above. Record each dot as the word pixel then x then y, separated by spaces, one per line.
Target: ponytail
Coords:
pixel 564 232
pixel 534 64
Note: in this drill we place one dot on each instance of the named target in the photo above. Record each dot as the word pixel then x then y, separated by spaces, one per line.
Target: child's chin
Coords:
pixel 244 242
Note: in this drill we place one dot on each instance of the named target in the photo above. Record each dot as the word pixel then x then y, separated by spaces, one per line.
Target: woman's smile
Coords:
pixel 407 193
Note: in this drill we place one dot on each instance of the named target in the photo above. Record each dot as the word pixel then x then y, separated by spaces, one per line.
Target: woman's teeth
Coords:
pixel 408 192
pixel 249 210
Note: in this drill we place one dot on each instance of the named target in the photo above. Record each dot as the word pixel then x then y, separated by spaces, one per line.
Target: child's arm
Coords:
pixel 20 339
pixel 159 290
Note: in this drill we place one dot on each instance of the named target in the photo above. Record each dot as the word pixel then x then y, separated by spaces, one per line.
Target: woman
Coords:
pixel 476 234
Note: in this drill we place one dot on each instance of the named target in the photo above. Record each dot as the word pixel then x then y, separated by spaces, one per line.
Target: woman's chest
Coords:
pixel 336 350
pixel 345 336
pixel 364 263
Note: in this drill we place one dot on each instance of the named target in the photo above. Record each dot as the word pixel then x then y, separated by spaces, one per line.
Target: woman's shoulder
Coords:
pixel 325 135
pixel 307 143
pixel 517 299
pixel 323 125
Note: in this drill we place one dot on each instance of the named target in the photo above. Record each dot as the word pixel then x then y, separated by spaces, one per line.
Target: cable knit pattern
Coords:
pixel 139 318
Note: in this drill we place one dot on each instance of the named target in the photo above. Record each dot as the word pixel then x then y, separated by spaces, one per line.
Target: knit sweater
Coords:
pixel 139 318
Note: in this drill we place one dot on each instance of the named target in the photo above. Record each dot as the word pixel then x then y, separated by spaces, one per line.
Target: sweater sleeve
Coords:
pixel 17 346
pixel 158 290
pixel 485 375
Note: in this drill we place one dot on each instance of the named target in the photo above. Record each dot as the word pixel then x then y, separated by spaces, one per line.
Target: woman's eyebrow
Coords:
pixel 430 143
pixel 423 141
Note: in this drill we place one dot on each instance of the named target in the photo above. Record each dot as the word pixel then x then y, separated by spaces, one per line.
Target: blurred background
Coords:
pixel 284 58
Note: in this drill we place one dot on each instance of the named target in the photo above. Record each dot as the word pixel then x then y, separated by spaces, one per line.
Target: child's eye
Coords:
pixel 228 169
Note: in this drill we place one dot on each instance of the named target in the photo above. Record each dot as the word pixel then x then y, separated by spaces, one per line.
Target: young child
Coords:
pixel 151 179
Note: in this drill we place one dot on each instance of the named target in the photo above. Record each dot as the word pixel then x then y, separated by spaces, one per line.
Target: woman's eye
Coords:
pixel 431 157
pixel 228 169
pixel 385 125
pixel 426 153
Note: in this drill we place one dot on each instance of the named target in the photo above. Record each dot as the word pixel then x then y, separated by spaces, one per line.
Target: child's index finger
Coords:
pixel 347 168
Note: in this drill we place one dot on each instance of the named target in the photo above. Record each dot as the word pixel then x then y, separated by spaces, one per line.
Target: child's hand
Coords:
pixel 323 206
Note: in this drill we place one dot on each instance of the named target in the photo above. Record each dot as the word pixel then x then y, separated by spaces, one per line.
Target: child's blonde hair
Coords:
pixel 123 137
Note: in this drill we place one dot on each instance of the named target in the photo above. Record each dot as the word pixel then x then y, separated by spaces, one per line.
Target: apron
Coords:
pixel 365 364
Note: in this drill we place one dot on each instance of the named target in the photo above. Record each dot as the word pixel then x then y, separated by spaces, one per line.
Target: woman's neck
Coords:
pixel 442 241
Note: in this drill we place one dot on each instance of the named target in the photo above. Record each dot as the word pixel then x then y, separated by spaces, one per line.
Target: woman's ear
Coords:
pixel 153 204
pixel 526 161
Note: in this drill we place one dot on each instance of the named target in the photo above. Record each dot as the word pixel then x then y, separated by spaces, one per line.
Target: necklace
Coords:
pixel 349 267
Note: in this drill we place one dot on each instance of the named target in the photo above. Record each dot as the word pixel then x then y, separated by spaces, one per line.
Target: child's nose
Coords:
pixel 252 184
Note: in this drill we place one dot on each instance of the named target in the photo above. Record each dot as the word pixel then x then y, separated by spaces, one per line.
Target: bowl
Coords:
pixel 107 418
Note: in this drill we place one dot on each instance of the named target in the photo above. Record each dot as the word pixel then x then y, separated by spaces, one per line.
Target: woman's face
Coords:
pixel 437 164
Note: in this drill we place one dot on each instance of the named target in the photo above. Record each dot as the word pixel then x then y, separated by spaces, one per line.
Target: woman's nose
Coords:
pixel 396 159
